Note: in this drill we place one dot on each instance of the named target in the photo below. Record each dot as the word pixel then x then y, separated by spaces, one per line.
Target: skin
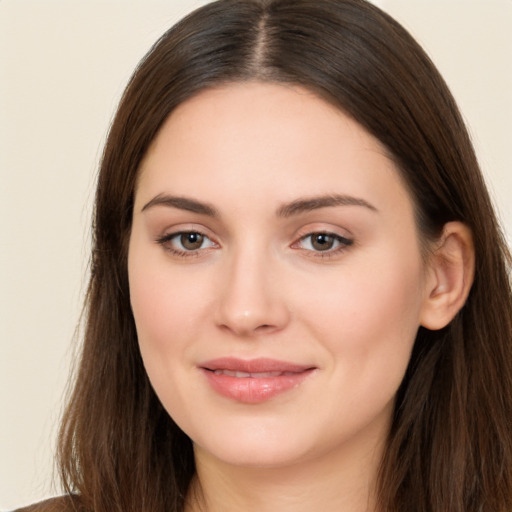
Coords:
pixel 258 287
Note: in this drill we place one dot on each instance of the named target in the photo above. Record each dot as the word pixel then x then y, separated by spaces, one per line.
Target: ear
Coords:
pixel 450 275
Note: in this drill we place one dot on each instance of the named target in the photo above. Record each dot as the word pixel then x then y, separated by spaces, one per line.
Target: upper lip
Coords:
pixel 259 365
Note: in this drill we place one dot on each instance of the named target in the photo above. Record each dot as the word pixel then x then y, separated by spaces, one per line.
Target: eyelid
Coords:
pixel 166 239
pixel 324 228
pixel 343 241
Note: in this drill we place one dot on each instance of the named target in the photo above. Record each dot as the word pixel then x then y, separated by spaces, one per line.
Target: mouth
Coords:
pixel 253 381
pixel 255 375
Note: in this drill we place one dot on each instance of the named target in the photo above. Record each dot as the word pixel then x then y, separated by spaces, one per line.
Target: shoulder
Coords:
pixel 60 504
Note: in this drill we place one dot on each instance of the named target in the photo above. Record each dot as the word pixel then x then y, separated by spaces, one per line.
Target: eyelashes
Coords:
pixel 192 243
pixel 324 243
pixel 186 243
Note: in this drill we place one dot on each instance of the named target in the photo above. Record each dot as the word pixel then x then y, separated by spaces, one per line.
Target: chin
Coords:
pixel 253 456
pixel 257 446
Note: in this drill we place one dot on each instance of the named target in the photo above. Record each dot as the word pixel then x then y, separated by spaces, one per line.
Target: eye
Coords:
pixel 324 242
pixel 190 241
pixel 185 242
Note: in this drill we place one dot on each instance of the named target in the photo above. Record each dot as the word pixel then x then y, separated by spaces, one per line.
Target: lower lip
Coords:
pixel 252 390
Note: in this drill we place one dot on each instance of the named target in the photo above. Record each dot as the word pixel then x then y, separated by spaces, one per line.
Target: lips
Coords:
pixel 253 381
pixel 255 375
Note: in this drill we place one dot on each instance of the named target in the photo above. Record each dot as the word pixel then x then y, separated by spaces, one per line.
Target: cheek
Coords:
pixel 368 314
pixel 166 309
pixel 167 305
pixel 368 326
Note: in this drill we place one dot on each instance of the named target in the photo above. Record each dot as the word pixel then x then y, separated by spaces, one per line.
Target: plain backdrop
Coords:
pixel 63 66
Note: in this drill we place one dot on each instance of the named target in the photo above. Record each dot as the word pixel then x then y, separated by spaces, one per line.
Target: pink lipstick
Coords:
pixel 253 381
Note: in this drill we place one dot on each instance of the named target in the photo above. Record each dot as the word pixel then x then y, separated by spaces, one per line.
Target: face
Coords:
pixel 275 274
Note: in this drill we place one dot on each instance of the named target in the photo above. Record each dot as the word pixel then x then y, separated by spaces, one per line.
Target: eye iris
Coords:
pixel 322 242
pixel 191 241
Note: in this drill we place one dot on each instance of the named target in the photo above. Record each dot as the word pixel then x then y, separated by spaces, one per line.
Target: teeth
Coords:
pixel 266 374
pixel 244 375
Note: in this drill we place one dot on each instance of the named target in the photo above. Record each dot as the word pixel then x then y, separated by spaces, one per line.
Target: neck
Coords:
pixel 305 486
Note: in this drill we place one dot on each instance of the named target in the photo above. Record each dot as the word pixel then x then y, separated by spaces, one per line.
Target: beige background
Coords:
pixel 63 65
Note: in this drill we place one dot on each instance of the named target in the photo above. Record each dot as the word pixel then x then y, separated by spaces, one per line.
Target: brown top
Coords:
pixel 60 504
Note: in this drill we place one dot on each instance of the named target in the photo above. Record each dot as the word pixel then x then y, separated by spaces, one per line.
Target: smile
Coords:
pixel 253 381
pixel 257 375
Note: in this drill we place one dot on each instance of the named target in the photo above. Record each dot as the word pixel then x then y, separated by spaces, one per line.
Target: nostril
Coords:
pixel 264 328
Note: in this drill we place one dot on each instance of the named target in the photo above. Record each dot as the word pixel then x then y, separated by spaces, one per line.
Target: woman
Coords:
pixel 299 294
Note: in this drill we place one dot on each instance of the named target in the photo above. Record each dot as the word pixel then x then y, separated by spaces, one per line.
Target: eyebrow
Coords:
pixel 308 204
pixel 296 207
pixel 182 203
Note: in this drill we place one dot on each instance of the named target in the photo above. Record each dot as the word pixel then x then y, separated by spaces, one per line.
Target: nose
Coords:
pixel 251 300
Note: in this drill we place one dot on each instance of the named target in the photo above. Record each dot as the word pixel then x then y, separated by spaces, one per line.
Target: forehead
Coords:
pixel 266 139
pixel 284 110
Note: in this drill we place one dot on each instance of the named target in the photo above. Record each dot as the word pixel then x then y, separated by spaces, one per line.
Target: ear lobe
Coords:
pixel 449 276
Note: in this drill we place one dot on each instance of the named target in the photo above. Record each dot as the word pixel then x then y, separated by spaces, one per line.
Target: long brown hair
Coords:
pixel 450 445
